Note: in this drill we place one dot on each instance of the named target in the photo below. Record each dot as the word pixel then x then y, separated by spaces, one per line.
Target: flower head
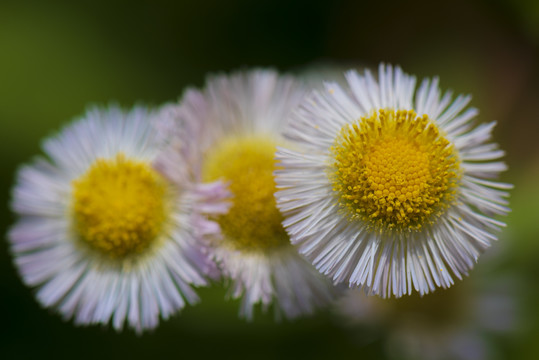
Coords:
pixel 236 123
pixel 389 188
pixel 102 233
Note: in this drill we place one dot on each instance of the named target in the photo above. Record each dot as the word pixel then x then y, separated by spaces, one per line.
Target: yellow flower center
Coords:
pixel 253 222
pixel 119 206
pixel 394 170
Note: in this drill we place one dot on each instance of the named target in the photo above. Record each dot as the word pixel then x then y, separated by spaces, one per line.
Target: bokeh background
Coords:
pixel 57 57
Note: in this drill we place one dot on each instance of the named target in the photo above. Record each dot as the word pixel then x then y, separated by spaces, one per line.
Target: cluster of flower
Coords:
pixel 283 191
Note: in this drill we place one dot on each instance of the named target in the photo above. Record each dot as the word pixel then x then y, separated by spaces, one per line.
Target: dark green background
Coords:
pixel 58 57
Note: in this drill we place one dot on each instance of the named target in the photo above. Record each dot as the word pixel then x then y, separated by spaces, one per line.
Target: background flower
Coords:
pixel 102 235
pixel 234 124
pixel 457 323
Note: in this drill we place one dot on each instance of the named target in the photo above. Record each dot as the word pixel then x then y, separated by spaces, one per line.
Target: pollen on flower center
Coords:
pixel 247 163
pixel 119 206
pixel 394 170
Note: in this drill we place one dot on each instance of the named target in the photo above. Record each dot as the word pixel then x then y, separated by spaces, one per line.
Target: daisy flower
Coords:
pixel 102 234
pixel 387 188
pixel 236 122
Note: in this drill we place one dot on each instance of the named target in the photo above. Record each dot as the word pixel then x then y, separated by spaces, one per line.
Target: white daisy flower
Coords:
pixel 388 188
pixel 101 233
pixel 236 122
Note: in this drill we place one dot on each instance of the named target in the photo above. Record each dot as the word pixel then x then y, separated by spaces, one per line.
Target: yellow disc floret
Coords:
pixel 119 206
pixel 253 222
pixel 394 170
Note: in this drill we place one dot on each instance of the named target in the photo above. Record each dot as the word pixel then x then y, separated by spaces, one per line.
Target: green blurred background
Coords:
pixel 57 57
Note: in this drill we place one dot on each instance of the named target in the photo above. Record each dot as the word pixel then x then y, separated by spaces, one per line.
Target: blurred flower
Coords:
pixel 458 323
pixel 378 196
pixel 101 233
pixel 236 123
